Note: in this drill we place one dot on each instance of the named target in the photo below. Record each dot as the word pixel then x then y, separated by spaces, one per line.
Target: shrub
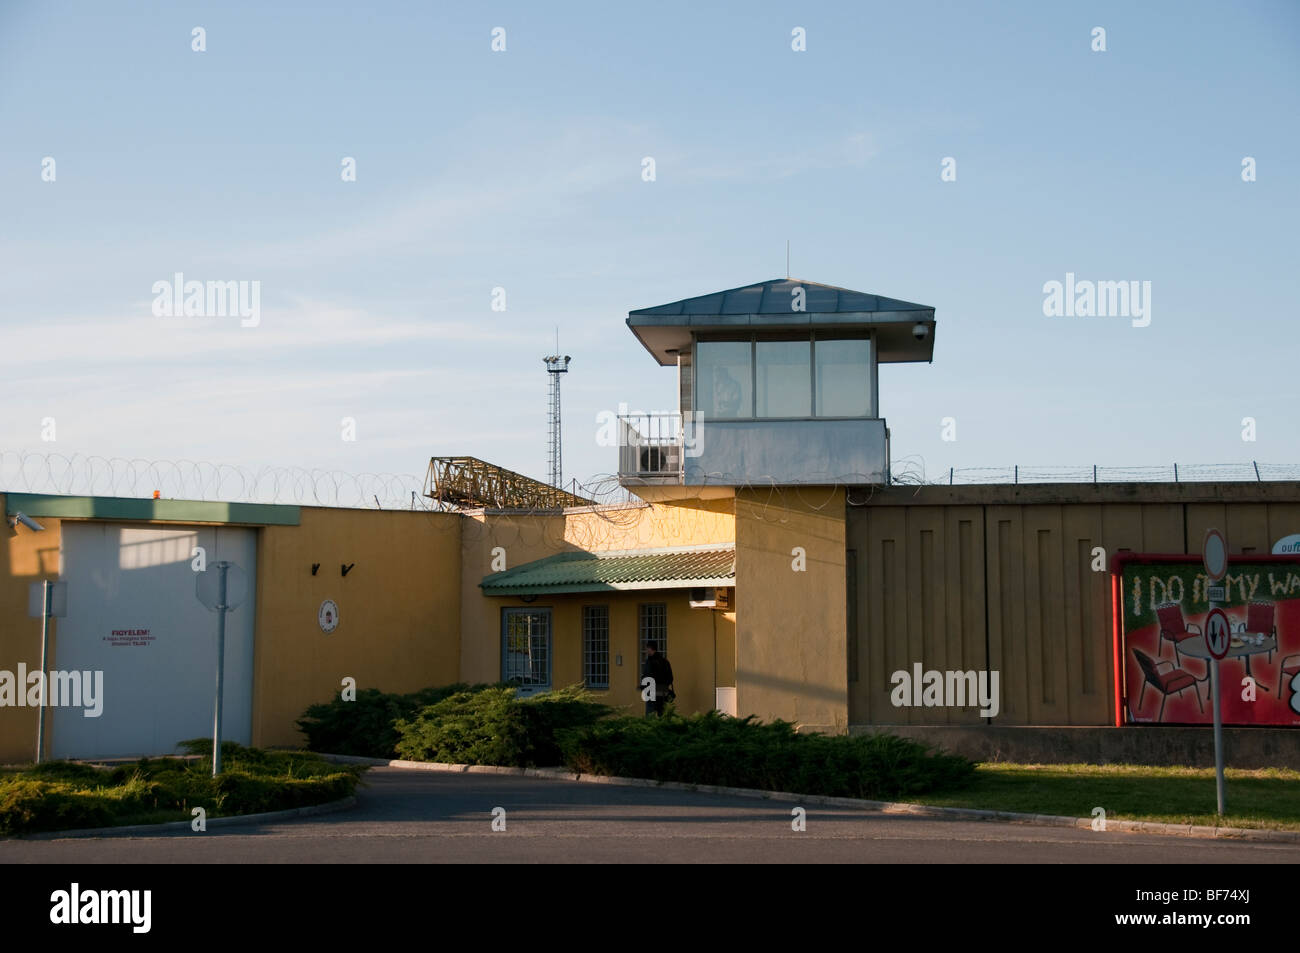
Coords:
pixel 63 795
pixel 713 749
pixel 494 726
pixel 30 805
pixel 365 727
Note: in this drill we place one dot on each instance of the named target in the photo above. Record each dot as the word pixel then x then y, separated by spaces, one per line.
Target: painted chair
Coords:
pixel 1173 682
pixel 1259 620
pixel 1174 628
pixel 1288 672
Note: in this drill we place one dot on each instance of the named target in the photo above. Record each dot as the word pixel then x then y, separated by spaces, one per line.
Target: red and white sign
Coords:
pixel 1214 555
pixel 1218 633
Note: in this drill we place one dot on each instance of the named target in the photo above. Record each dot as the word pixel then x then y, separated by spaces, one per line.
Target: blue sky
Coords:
pixel 522 170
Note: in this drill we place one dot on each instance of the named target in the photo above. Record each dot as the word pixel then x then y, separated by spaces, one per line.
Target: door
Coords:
pixel 134 617
pixel 526 649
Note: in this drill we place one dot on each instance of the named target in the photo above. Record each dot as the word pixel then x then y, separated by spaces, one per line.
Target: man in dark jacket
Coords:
pixel 656 667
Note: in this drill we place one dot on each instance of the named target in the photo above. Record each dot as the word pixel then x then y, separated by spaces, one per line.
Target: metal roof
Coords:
pixel 681 567
pixel 665 329
pixel 773 297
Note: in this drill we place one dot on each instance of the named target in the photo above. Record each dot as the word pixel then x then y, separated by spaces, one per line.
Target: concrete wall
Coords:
pixel 1043 619
pixel 790 624
pixel 399 610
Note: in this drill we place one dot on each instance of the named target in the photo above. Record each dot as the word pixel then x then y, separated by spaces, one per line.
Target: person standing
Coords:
pixel 658 668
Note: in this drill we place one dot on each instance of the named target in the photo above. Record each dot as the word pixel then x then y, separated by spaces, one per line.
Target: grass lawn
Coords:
pixel 1266 798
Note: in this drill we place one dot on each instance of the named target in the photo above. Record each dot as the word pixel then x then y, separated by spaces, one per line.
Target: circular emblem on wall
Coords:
pixel 328 616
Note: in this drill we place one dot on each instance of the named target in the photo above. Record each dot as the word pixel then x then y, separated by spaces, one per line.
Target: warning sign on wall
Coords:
pixel 118 637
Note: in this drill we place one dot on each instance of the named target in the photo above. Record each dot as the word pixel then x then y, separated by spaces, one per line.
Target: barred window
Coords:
pixel 653 626
pixel 595 646
pixel 526 648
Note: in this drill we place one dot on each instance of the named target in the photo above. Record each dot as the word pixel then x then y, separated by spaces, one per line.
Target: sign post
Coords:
pixel 47 600
pixel 1218 636
pixel 223 592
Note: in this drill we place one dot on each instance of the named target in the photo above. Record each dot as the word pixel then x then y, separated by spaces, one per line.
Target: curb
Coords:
pixel 884 807
pixel 233 820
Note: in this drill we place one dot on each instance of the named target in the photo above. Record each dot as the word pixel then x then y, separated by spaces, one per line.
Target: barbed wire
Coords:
pixel 615 509
pixel 911 471
pixel 87 475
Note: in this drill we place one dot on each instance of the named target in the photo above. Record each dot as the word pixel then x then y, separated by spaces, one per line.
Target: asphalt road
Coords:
pixel 409 816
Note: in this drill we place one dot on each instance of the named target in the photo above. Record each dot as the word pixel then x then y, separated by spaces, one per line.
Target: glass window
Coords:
pixel 526 648
pixel 595 646
pixel 843 377
pixel 652 621
pixel 724 379
pixel 784 388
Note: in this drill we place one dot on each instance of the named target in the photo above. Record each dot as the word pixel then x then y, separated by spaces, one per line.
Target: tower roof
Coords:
pixel 771 305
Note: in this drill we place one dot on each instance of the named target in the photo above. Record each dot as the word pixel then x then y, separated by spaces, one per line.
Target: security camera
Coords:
pixel 919 331
pixel 26 521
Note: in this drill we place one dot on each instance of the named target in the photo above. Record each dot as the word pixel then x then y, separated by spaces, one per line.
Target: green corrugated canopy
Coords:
pixel 682 567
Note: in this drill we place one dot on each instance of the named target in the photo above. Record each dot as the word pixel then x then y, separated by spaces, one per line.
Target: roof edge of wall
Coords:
pixel 161 511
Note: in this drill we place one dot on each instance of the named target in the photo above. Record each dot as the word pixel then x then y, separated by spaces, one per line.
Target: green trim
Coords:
pixel 544 589
pixel 168 511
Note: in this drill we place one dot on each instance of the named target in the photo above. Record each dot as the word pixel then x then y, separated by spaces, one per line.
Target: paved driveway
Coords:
pixel 409 816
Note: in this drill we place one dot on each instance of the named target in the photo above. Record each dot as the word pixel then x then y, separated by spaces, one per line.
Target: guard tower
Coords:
pixel 777 386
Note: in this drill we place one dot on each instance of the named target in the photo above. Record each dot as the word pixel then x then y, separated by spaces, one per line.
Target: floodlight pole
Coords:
pixel 221 665
pixel 46 598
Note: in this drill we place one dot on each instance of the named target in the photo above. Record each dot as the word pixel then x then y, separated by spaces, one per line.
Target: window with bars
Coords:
pixel 595 646
pixel 653 626
pixel 526 648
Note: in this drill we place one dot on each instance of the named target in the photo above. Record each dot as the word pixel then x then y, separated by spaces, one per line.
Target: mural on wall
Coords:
pixel 1166 674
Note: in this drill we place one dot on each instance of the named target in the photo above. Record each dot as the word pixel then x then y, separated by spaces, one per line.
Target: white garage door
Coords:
pixel 133 615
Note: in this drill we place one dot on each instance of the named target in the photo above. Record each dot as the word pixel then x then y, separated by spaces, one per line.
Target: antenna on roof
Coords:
pixel 787 263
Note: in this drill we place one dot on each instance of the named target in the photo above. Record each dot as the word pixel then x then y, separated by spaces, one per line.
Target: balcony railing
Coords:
pixel 650 447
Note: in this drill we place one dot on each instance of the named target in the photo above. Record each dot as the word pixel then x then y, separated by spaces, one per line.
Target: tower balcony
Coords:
pixel 684 450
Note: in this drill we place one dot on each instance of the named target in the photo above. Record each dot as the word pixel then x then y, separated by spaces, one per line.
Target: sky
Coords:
pixel 376 344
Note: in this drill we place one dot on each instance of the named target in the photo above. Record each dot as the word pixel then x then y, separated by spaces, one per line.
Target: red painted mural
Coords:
pixel 1164 672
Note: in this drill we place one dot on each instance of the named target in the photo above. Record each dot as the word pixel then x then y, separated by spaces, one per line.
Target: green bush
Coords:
pixel 31 805
pixel 714 749
pixel 494 726
pixel 60 795
pixel 365 727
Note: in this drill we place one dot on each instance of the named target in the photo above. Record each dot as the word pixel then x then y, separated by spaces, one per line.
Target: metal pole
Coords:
pixel 1218 733
pixel 45 641
pixel 1258 478
pixel 221 666
pixel 1175 473
pixel 1094 473
pixel 1218 718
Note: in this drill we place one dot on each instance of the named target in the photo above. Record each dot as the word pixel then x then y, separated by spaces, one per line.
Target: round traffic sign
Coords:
pixel 328 616
pixel 1218 633
pixel 1214 555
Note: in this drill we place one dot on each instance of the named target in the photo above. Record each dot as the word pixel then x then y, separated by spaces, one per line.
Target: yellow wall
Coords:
pixel 791 660
pixel 695 637
pixel 523 538
pixel 399 610
pixel 25 557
